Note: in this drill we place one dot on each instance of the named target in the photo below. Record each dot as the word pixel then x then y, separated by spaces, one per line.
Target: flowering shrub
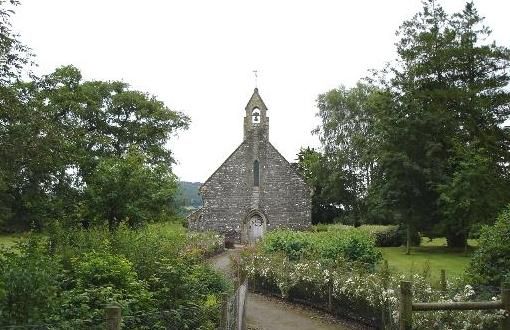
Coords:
pixel 358 289
pixel 206 243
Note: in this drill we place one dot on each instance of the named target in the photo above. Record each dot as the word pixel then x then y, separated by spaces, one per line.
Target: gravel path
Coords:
pixel 264 313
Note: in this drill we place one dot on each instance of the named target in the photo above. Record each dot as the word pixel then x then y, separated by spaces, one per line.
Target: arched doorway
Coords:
pixel 254 227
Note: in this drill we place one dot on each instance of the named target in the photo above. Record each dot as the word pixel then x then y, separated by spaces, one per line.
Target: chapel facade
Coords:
pixel 256 189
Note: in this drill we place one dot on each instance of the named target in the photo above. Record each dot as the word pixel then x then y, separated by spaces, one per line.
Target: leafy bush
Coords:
pixel 293 243
pixel 66 279
pixel 351 245
pixel 146 246
pixel 176 283
pixel 29 284
pixel 384 236
pixel 490 264
pixel 102 269
pixel 126 188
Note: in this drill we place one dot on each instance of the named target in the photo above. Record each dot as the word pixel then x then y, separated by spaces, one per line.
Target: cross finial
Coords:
pixel 256 73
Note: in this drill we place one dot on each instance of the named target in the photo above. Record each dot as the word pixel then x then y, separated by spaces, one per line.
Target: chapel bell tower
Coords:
pixel 256 121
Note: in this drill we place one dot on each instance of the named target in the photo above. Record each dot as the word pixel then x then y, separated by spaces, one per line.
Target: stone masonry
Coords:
pixel 255 189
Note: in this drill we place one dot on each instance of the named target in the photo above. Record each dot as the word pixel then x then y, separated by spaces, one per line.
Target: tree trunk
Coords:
pixel 408 240
pixel 456 240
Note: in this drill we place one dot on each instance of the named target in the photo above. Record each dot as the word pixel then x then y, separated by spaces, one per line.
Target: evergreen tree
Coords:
pixel 446 125
pixel 475 186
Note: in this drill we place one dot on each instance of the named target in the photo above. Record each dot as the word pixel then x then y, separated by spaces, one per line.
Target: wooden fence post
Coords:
pixel 330 294
pixel 244 324
pixel 406 305
pixel 443 280
pixel 224 311
pixel 113 317
pixel 505 299
pixel 384 307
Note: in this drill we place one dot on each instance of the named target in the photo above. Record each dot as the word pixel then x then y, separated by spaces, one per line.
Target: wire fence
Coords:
pixel 234 309
pixel 114 320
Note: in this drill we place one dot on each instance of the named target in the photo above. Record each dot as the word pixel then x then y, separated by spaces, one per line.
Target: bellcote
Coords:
pixel 256 120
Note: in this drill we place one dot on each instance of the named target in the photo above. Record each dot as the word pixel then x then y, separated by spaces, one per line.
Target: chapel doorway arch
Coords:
pixel 254 227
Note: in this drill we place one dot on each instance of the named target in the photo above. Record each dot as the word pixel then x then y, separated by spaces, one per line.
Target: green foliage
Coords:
pixel 354 246
pixel 490 264
pixel 472 197
pixel 293 244
pixel 14 56
pixel 96 279
pixel 139 245
pixel 204 243
pixel 341 175
pixel 63 134
pixel 29 284
pixel 67 278
pixel 102 269
pixel 443 142
pixel 422 142
pixel 126 188
pixel 390 235
pixel 350 245
pixel 314 167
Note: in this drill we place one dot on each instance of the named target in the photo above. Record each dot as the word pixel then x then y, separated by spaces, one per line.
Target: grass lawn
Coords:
pixel 7 240
pixel 432 256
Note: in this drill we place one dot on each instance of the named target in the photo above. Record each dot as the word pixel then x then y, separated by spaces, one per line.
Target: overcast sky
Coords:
pixel 198 57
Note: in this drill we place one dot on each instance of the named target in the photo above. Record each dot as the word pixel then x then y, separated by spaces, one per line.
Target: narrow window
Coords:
pixel 256 173
pixel 255 116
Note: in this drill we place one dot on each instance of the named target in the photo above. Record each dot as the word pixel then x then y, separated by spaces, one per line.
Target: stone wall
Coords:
pixel 226 196
pixel 286 197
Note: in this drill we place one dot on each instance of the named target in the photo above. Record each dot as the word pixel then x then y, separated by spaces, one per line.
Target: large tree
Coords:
pixel 57 129
pixel 14 57
pixel 330 186
pixel 60 128
pixel 427 147
pixel 128 188
pixel 348 135
pixel 477 177
pixel 451 103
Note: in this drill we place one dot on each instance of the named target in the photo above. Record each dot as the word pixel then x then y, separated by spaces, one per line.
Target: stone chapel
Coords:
pixel 256 189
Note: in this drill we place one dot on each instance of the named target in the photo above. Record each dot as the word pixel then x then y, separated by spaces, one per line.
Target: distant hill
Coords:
pixel 188 197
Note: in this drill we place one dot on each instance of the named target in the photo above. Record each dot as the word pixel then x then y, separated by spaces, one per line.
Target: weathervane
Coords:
pixel 256 73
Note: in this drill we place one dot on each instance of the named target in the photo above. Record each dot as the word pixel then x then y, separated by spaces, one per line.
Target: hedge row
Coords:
pixel 384 236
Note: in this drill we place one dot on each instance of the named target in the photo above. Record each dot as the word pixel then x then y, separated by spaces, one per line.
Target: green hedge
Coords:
pixel 384 236
pixel 350 245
